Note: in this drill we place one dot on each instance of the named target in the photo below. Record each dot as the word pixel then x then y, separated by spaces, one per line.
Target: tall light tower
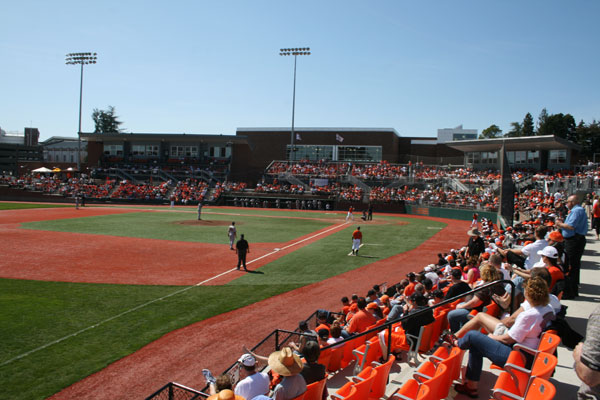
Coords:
pixel 302 51
pixel 81 59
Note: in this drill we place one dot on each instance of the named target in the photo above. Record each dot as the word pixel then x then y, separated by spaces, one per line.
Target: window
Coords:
pixel 113 149
pixel 558 156
pixel 359 153
pixel 138 150
pixel 520 157
pixel 533 157
pixel 311 152
pixel 182 151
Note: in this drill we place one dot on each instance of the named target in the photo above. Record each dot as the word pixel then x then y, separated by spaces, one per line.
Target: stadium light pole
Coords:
pixel 80 59
pixel 302 51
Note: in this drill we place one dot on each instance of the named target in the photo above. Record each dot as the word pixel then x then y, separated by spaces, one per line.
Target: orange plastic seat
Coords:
pixel 453 361
pixel 367 353
pixel 346 392
pixel 381 380
pixel 350 345
pixel 436 377
pixel 411 390
pixel 314 391
pixel 538 389
pixel 335 362
pixel 364 381
pixel 324 357
pixel 548 344
pixel 543 367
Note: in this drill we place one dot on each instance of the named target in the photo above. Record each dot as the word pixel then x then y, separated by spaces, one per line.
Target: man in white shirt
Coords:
pixel 255 383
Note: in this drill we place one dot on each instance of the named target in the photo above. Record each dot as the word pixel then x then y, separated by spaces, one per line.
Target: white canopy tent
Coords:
pixel 42 170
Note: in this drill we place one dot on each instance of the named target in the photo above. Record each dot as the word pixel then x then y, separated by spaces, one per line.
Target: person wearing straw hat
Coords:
pixel 475 246
pixel 287 364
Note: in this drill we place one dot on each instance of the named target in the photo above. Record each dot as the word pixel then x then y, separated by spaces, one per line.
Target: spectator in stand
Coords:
pixel 458 285
pixel 596 216
pixel 410 288
pixel 360 321
pixel 573 229
pixel 312 371
pixel 526 331
pixel 288 365
pixel 475 246
pixel 255 383
pixel 528 255
pixel 220 388
pixel 322 322
pixel 459 316
pixel 335 333
pixel 587 359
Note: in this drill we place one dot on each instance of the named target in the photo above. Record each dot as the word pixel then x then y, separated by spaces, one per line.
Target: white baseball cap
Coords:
pixel 247 360
pixel 549 251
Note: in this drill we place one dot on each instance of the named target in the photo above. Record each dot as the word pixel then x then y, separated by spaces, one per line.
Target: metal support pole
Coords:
pixel 293 111
pixel 79 130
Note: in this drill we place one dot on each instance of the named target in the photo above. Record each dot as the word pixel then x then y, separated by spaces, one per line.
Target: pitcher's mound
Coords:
pixel 204 222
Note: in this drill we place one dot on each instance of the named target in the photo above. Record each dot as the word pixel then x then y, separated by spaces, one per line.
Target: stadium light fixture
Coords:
pixel 80 59
pixel 302 51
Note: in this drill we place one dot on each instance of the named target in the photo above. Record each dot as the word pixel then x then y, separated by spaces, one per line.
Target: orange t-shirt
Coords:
pixel 360 322
pixel 357 234
pixel 410 289
pixel 556 274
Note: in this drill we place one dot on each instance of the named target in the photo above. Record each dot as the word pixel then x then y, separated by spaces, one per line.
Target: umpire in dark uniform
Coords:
pixel 242 248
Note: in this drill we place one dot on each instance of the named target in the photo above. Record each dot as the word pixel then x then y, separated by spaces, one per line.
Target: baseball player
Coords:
pixel 350 215
pixel 232 233
pixel 356 240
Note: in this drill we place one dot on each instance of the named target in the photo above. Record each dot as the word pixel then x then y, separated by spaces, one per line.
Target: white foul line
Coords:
pixel 158 299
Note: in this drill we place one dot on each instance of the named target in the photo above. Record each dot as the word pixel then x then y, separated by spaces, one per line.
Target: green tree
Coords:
pixel 491 132
pixel 541 124
pixel 527 127
pixel 106 121
pixel 516 130
pixel 561 125
pixel 588 137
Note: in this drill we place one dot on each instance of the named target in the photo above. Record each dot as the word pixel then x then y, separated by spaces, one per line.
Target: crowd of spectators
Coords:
pixel 130 191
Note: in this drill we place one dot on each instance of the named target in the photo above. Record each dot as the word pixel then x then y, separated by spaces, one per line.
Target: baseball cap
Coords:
pixel 555 236
pixel 549 251
pixel 247 360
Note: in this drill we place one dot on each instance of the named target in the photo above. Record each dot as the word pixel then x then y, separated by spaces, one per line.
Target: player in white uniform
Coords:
pixel 232 233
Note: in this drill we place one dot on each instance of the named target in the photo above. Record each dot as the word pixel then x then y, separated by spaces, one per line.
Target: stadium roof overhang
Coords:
pixel 163 137
pixel 549 142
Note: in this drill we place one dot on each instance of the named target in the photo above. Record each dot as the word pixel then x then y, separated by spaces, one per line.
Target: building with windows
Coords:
pixel 530 152
pixel 453 134
pixel 63 150
pixel 245 156
pixel 19 152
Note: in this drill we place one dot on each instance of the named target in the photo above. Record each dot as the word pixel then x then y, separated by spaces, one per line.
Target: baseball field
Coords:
pixel 82 289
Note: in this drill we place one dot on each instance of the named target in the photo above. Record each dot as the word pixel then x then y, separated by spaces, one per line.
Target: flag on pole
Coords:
pixel 339 137
pixel 298 136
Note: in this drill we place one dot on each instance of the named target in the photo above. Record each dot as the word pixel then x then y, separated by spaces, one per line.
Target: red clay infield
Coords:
pixel 214 343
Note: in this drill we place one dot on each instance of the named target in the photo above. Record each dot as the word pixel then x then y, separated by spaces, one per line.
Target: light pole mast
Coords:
pixel 302 51
pixel 80 59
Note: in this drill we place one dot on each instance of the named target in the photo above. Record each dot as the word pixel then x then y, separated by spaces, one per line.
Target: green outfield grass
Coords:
pixel 19 206
pixel 166 226
pixel 33 314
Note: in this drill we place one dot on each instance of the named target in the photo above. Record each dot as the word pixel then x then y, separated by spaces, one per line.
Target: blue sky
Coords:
pixel 207 67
